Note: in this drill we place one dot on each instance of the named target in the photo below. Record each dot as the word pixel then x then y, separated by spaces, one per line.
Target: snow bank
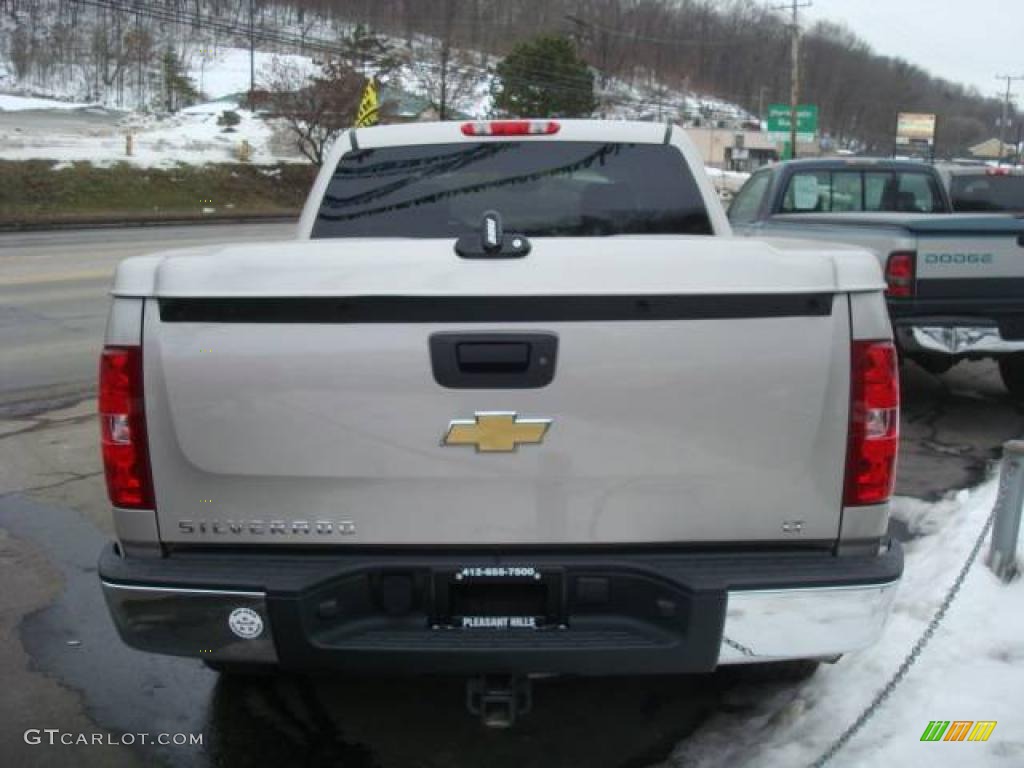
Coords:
pixel 10 103
pixel 973 669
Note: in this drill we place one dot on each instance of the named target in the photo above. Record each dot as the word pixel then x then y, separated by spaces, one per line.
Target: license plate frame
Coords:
pixel 499 598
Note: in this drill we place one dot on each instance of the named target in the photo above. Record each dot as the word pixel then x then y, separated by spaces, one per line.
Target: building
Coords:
pixel 738 150
pixel 989 150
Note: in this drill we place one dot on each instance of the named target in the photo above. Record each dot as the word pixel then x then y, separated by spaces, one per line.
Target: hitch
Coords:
pixel 499 699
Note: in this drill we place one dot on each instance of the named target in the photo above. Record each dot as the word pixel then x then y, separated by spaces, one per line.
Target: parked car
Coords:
pixel 984 188
pixel 514 403
pixel 955 281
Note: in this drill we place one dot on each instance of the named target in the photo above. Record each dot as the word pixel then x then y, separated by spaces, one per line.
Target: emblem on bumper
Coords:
pixel 245 623
pixel 496 431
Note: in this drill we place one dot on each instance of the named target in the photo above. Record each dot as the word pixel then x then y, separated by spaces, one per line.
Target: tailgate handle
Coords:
pixel 493 360
pixel 493 357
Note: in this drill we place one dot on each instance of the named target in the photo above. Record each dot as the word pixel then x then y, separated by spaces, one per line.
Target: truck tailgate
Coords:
pixel 294 400
pixel 978 258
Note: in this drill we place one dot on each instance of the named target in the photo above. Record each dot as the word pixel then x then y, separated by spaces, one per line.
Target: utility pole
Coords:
pixel 1006 112
pixel 252 52
pixel 794 7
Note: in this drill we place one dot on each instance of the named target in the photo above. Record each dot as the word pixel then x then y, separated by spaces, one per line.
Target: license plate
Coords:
pixel 498 598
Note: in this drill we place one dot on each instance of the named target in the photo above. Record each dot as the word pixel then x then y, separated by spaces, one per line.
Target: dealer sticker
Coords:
pixel 245 623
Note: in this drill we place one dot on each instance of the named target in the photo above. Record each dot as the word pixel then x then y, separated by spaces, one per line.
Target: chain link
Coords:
pixel 738 646
pixel 915 652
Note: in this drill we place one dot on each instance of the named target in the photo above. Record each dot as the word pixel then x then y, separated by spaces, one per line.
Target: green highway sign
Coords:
pixel 806 121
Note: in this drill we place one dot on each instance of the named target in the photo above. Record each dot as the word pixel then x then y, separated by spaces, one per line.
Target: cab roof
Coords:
pixel 859 163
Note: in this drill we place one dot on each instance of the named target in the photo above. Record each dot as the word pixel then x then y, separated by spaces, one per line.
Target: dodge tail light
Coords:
pixel 900 274
pixel 874 423
pixel 510 128
pixel 123 428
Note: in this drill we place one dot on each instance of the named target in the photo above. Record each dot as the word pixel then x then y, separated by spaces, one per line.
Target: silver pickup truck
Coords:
pixel 955 282
pixel 514 402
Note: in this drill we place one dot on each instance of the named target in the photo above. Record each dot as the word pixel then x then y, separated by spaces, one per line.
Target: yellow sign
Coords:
pixel 915 127
pixel 369 108
pixel 496 432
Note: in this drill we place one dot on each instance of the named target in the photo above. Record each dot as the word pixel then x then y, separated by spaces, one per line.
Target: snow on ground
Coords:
pixel 655 101
pixel 727 182
pixel 221 72
pixel 190 136
pixel 973 669
pixel 9 103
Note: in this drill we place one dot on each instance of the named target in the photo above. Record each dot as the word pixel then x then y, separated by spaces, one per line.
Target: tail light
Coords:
pixel 874 423
pixel 123 428
pixel 900 274
pixel 510 128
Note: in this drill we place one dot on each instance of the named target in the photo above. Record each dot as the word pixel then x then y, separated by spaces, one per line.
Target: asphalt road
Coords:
pixel 62 666
pixel 53 301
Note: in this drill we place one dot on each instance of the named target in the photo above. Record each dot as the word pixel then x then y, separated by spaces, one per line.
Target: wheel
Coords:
pixel 1011 368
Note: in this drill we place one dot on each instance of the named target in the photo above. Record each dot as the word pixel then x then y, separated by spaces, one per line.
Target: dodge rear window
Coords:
pixel 541 189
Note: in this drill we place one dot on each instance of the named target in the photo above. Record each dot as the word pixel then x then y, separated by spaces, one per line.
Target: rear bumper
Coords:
pixel 612 613
pixel 957 339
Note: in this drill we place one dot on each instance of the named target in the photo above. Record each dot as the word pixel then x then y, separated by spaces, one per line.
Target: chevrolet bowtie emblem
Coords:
pixel 496 432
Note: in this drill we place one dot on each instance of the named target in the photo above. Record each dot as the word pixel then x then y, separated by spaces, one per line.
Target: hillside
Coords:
pixel 693 60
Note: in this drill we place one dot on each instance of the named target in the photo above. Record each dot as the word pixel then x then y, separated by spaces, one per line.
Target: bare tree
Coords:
pixel 315 109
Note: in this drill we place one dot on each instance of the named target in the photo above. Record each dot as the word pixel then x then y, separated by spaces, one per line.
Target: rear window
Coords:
pixel 540 188
pixel 855 191
pixel 987 193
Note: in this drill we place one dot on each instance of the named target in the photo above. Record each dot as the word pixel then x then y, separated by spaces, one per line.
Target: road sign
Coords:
pixel 915 128
pixel 806 122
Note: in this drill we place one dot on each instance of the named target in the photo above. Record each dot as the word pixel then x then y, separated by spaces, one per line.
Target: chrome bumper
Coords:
pixel 760 625
pixel 772 625
pixel 981 340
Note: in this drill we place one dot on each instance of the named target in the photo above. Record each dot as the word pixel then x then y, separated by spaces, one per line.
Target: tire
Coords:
pixel 1011 368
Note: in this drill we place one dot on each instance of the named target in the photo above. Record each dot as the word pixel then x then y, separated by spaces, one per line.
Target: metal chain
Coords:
pixel 738 646
pixel 915 652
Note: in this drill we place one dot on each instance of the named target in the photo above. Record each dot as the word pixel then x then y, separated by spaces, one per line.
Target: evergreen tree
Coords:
pixel 544 77
pixel 179 90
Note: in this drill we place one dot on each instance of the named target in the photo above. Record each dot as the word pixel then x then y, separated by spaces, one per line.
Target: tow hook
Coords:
pixel 498 700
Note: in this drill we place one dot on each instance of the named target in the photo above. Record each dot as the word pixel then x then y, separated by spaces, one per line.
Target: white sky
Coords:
pixel 967 42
